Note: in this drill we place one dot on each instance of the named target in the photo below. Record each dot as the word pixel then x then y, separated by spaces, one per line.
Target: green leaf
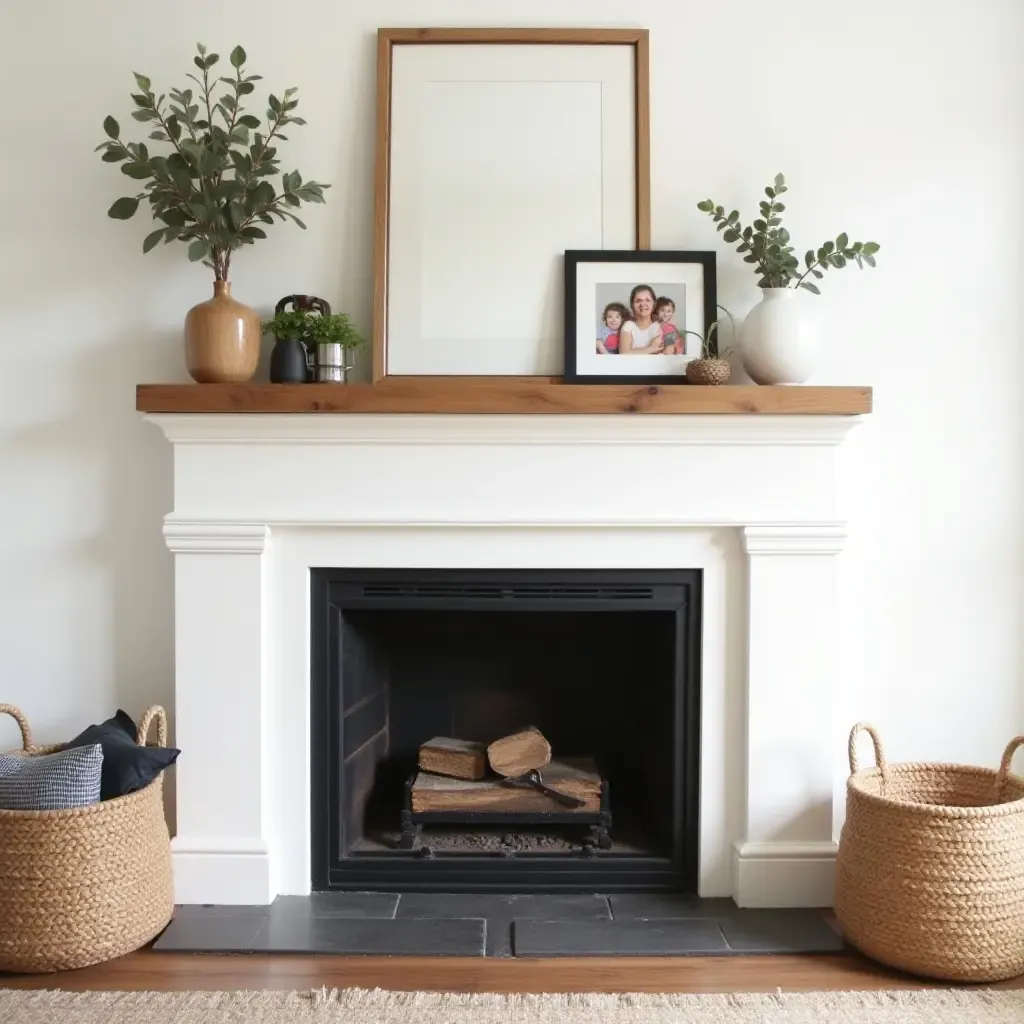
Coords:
pixel 244 88
pixel 770 192
pixel 112 156
pixel 201 48
pixel 198 61
pixel 743 247
pixel 124 208
pixel 750 259
pixel 296 120
pixel 153 239
pixel 212 59
pixel 747 233
pixel 842 241
pixel 111 127
pixel 829 247
pixel 251 232
pixel 249 121
pixel 759 225
pixel 809 257
pixel 779 207
pixel 275 104
pixel 143 81
pixel 818 274
pixel 838 261
pixel 198 249
pixel 237 57
pixel 174 217
pixel 145 115
pixel 136 170
pixel 813 288
pixel 870 248
pixel 730 236
pixel 869 259
pixel 779 181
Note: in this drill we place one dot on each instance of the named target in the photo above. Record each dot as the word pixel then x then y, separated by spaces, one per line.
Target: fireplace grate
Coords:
pixel 533 592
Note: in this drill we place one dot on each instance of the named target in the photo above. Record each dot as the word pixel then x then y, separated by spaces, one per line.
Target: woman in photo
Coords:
pixel 641 336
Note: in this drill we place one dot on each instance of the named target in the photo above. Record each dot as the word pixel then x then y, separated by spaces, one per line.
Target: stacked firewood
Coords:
pixel 510 756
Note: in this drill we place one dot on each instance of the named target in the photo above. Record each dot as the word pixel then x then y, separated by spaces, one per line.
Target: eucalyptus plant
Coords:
pixel 766 244
pixel 213 189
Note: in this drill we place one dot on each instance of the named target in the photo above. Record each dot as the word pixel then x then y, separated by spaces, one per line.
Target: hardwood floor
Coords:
pixel 146 970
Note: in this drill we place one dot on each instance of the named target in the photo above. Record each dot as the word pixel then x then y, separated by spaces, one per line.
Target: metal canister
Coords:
pixel 330 362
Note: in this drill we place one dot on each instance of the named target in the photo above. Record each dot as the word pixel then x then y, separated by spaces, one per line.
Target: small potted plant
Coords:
pixel 213 190
pixel 780 343
pixel 711 367
pixel 333 337
pixel 289 360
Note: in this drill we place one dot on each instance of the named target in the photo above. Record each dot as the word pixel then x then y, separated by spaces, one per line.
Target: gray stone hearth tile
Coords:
pixel 655 906
pixel 689 937
pixel 221 910
pixel 207 933
pixel 373 937
pixel 781 931
pixel 548 908
pixel 337 904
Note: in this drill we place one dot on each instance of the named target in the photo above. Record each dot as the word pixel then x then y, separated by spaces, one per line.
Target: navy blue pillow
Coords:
pixel 127 767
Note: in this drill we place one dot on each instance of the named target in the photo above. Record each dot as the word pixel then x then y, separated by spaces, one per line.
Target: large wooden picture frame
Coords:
pixel 434 227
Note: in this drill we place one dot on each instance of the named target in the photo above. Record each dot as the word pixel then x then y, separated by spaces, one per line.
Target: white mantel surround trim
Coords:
pixel 750 500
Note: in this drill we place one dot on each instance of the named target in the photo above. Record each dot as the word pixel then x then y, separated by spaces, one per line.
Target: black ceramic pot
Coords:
pixel 288 364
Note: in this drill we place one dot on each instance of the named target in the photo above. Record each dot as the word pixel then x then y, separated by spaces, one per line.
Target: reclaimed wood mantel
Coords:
pixel 502 396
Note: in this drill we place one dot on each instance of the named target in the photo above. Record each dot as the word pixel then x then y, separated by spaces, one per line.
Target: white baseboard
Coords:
pixel 231 871
pixel 784 874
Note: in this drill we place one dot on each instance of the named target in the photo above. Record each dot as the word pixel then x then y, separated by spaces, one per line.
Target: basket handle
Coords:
pixel 158 713
pixel 880 760
pixel 26 732
pixel 1004 765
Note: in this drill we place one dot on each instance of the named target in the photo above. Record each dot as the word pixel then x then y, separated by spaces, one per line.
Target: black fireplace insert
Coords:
pixel 606 663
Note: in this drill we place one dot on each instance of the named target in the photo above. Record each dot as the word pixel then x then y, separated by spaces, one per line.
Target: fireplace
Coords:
pixel 605 663
pixel 750 503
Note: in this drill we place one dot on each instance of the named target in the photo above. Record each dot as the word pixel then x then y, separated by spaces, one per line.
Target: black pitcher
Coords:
pixel 290 361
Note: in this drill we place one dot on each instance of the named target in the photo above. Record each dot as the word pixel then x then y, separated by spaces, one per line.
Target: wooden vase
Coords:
pixel 222 339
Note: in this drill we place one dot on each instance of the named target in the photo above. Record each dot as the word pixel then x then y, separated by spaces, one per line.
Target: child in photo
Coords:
pixel 664 312
pixel 615 314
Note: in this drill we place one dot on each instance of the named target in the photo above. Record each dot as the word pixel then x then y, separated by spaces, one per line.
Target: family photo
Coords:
pixel 641 319
pixel 638 302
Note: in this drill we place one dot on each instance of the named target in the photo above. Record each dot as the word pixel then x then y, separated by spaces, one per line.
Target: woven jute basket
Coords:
pixel 708 371
pixel 930 872
pixel 85 885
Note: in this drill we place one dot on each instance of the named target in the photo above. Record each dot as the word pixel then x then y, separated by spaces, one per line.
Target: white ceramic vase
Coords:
pixel 780 338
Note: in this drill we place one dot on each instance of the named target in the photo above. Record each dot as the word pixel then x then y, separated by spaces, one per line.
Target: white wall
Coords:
pixel 895 120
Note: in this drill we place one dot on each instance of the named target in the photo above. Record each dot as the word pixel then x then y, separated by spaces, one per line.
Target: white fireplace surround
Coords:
pixel 751 500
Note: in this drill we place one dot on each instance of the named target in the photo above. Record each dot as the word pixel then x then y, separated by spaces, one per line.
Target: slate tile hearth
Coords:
pixel 386 924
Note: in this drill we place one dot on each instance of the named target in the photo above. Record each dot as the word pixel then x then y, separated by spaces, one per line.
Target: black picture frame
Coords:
pixel 575 257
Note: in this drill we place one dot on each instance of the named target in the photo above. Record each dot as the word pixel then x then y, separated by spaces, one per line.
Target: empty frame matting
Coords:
pixel 498 150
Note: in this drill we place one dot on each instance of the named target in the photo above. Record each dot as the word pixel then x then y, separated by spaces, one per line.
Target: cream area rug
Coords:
pixel 356 1006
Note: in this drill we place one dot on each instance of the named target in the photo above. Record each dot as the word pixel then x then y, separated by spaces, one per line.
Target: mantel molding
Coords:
pixel 212 537
pixel 476 430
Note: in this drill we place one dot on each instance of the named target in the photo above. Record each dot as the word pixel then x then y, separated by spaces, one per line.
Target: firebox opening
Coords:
pixel 605 665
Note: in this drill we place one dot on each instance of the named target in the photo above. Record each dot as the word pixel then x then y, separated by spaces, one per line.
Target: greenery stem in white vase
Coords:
pixel 780 340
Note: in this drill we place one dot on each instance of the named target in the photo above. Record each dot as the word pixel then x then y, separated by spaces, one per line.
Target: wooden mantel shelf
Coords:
pixel 501 396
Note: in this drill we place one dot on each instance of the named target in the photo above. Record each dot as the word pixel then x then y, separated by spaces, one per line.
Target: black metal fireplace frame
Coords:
pixel 334 591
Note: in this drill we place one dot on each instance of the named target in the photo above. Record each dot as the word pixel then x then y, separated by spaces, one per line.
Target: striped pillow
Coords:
pixel 51 782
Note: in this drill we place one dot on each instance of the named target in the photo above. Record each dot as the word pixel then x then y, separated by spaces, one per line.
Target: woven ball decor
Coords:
pixel 81 886
pixel 708 371
pixel 930 871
